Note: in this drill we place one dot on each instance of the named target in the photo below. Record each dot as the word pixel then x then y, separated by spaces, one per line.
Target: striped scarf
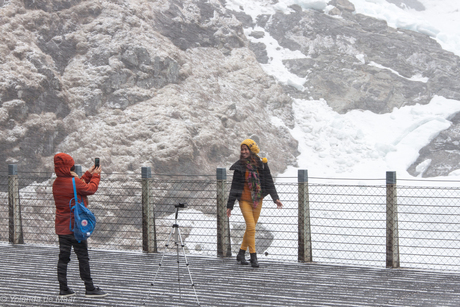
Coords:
pixel 254 182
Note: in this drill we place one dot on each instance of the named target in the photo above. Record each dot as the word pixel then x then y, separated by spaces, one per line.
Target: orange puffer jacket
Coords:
pixel 63 190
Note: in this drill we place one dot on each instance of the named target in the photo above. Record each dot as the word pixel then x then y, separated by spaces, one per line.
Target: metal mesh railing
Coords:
pixel 429 227
pixel 197 221
pixel 118 208
pixel 37 207
pixel 347 221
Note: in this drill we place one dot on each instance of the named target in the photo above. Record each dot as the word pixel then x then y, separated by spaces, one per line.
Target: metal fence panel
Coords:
pixel 117 206
pixel 197 222
pixel 429 227
pixel 348 224
pixel 37 208
pixel 348 221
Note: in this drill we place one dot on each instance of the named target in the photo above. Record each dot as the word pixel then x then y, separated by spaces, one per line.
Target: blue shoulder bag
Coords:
pixel 84 219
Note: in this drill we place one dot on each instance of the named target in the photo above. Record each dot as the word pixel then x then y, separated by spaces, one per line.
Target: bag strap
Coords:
pixel 75 202
pixel 74 190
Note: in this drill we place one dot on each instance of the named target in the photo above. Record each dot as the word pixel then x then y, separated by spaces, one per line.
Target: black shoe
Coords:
pixel 66 293
pixel 97 292
pixel 254 262
pixel 240 257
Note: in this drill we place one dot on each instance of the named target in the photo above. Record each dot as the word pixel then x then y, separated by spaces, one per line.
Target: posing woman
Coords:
pixel 252 181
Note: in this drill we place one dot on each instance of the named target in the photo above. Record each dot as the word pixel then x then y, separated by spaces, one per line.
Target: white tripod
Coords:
pixel 175 230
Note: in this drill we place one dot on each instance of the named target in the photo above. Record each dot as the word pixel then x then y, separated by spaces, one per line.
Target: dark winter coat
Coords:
pixel 266 182
pixel 63 190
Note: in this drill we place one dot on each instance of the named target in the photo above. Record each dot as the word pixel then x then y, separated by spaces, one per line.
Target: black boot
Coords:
pixel 240 257
pixel 254 262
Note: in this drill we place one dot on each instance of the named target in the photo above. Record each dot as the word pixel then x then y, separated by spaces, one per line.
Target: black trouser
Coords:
pixel 81 249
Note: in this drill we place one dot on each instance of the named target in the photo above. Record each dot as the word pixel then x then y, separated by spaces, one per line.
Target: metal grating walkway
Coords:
pixel 28 278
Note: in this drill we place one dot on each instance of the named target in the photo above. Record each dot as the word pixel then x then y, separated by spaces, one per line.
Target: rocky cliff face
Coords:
pixel 177 85
pixel 167 84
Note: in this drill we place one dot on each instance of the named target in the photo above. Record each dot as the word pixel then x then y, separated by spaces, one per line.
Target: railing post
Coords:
pixel 392 242
pixel 16 235
pixel 223 229
pixel 304 229
pixel 149 238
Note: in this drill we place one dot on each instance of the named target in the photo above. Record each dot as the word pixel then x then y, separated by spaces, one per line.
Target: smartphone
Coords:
pixel 96 162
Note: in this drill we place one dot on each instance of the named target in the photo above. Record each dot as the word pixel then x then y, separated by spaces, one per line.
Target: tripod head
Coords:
pixel 178 206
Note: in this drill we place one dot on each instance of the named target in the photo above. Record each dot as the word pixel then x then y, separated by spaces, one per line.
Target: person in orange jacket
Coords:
pixel 63 192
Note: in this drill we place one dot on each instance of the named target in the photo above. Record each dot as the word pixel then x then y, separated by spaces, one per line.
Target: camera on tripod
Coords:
pixel 180 205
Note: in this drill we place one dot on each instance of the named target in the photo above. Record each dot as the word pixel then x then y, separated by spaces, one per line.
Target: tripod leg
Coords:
pixel 186 264
pixel 161 262
pixel 176 242
pixel 162 257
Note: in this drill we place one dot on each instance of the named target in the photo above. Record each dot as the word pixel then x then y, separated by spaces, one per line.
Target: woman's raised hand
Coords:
pixel 278 203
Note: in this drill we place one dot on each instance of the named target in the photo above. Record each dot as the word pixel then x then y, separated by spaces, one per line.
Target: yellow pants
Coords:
pixel 251 215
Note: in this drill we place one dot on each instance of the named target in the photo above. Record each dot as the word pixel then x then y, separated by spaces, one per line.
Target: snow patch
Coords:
pixel 416 78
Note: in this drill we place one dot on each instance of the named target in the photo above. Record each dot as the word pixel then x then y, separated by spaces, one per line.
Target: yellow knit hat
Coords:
pixel 251 145
pixel 253 148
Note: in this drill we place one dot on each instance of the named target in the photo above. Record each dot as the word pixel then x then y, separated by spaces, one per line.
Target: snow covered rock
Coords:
pixel 166 84
pixel 441 157
pixel 357 62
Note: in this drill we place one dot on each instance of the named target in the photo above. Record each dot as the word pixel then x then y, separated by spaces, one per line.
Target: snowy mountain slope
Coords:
pixel 332 59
